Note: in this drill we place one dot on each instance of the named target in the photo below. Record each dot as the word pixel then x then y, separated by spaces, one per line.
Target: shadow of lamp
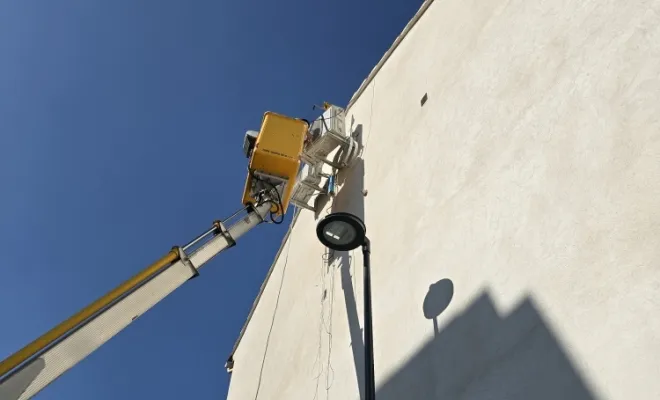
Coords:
pixel 437 300
pixel 343 232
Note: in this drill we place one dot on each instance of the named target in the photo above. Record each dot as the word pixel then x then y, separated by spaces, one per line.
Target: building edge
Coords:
pixel 427 3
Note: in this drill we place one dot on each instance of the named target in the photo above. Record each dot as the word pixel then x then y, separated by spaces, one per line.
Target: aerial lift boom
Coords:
pixel 274 179
pixel 39 363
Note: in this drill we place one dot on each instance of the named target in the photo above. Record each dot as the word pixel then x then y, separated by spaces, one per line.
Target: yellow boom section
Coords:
pixel 60 330
pixel 277 154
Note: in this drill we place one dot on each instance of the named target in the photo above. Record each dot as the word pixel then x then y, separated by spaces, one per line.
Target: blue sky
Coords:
pixel 121 126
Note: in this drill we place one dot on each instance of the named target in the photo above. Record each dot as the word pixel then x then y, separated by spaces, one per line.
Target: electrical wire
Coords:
pixel 317 360
pixel 329 381
pixel 371 114
pixel 279 206
pixel 272 322
pixel 323 119
pixel 326 261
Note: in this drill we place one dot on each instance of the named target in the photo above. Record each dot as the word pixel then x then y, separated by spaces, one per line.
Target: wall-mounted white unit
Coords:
pixel 307 185
pixel 327 134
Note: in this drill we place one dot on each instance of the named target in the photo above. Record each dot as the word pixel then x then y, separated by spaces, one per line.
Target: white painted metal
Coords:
pixel 307 185
pixel 328 138
pixel 249 141
pixel 68 352
pixel 328 134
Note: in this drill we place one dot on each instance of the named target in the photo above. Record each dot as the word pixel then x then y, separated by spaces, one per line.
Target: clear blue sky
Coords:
pixel 106 109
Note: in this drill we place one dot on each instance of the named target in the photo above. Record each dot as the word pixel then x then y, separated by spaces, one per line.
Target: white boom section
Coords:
pixel 37 373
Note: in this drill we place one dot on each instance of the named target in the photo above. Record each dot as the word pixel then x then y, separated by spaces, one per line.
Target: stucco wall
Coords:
pixel 514 218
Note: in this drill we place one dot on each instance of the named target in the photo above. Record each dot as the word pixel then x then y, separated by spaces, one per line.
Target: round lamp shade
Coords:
pixel 341 231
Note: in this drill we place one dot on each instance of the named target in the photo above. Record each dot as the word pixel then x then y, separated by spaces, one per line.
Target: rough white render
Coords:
pixel 530 179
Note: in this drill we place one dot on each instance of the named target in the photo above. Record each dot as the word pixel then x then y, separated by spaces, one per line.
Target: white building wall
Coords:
pixel 528 185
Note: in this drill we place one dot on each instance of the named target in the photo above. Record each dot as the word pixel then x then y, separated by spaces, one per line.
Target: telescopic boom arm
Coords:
pixel 26 372
pixel 274 165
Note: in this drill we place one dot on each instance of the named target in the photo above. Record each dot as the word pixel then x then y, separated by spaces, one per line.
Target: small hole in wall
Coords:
pixel 424 98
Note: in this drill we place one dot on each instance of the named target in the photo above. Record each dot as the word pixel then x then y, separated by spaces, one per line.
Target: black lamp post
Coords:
pixel 343 232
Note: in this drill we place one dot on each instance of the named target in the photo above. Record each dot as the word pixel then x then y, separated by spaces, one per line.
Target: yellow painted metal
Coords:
pixel 277 153
pixel 57 332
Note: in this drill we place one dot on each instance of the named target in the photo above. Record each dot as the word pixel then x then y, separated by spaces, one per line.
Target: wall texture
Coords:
pixel 514 218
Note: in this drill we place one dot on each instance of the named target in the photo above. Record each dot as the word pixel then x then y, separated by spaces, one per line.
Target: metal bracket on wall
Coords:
pixel 327 135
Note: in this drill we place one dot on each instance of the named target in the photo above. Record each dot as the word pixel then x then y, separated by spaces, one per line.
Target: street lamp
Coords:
pixel 343 232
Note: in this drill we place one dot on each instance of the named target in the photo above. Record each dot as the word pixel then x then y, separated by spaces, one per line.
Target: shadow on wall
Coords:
pixel 350 198
pixel 482 356
pixel 344 261
pixel 479 355
pixel 13 387
pixel 437 300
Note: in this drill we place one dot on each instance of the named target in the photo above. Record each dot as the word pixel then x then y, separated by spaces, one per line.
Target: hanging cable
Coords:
pixel 261 200
pixel 317 360
pixel 280 206
pixel 326 260
pixel 328 380
pixel 323 119
pixel 272 322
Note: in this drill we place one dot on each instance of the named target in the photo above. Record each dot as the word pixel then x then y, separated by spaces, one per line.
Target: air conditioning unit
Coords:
pixel 332 120
pixel 327 134
pixel 307 185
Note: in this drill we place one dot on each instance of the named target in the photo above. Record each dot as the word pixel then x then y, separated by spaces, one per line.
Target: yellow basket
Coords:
pixel 277 153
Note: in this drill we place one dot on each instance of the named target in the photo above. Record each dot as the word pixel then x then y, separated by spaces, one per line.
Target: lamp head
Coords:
pixel 341 231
